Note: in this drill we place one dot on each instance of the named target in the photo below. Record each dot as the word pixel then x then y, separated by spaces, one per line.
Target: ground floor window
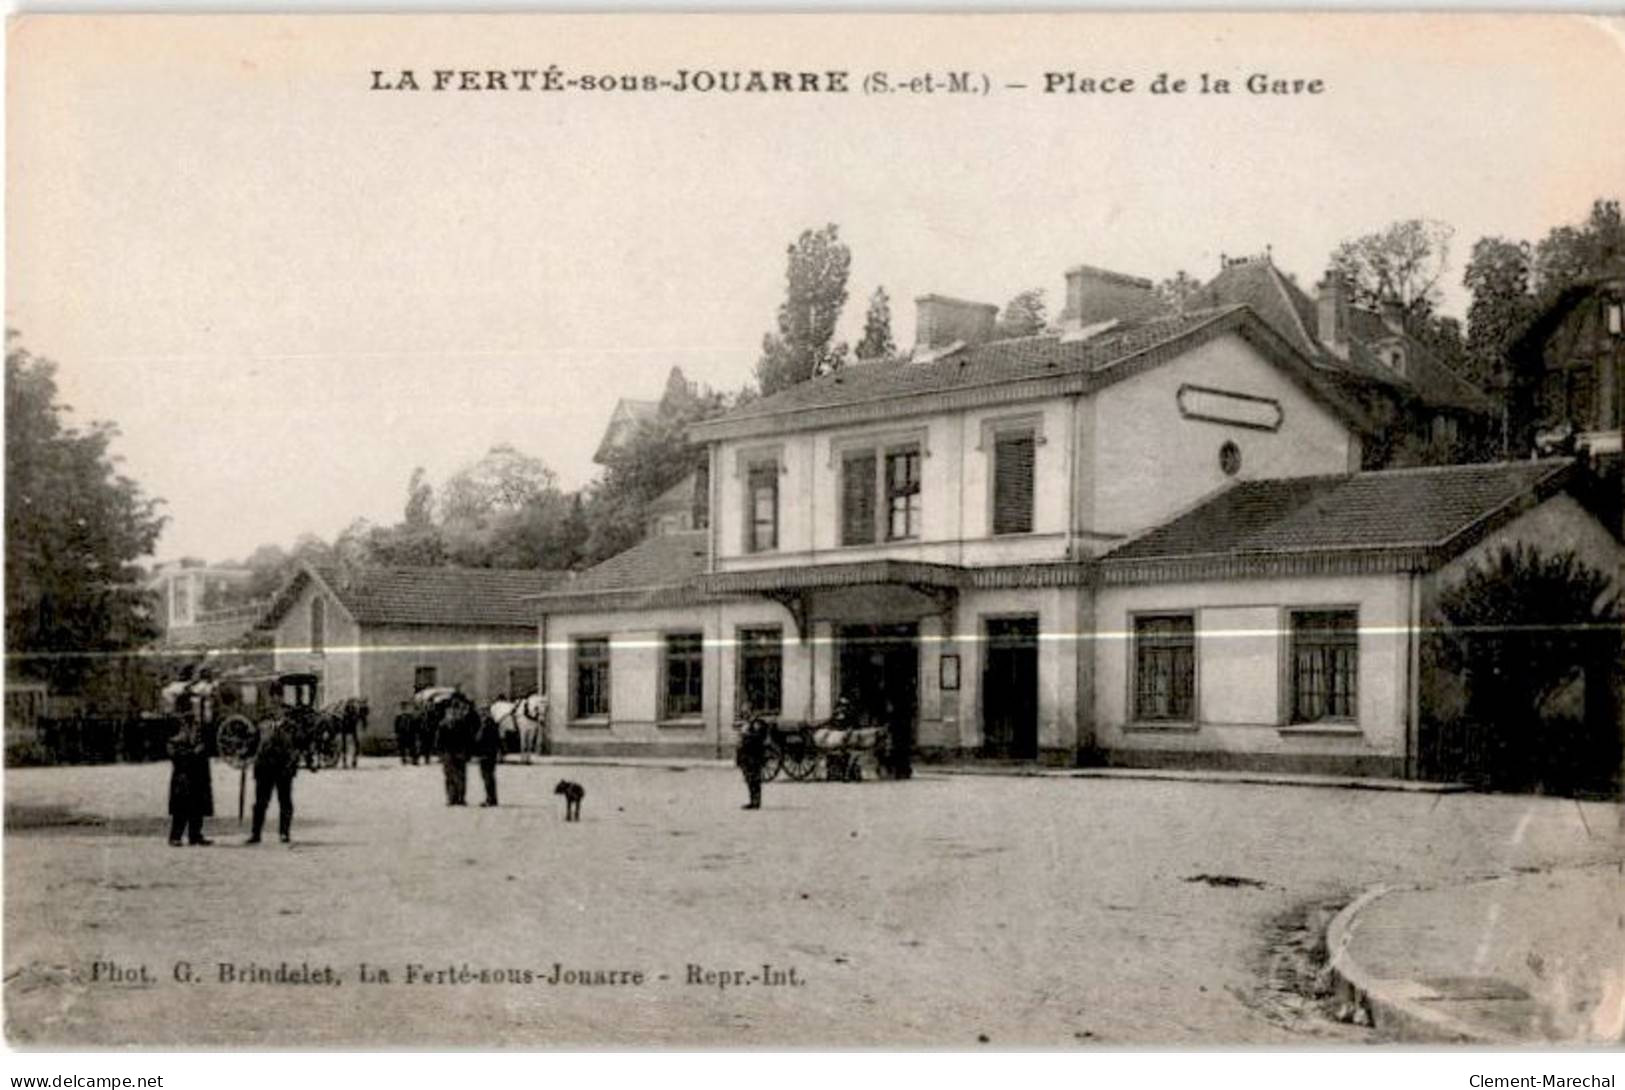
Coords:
pixel 761 671
pixel 1325 664
pixel 591 677
pixel 685 675
pixel 425 677
pixel 1165 667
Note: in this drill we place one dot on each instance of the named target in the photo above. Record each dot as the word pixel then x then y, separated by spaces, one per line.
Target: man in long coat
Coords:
pixel 275 766
pixel 455 740
pixel 191 794
pixel 488 748
pixel 750 757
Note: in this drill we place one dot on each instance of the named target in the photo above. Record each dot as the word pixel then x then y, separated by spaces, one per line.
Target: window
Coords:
pixel 761 671
pixel 1013 483
pixel 762 507
pixel 425 677
pixel 870 478
pixel 1165 667
pixel 1229 458
pixel 858 498
pixel 522 681
pixel 592 678
pixel 1325 665
pixel 685 675
pixel 318 623
pixel 903 494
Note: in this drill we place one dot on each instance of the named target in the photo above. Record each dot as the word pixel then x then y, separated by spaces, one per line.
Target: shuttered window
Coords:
pixel 318 624
pixel 858 498
pixel 1325 665
pixel 1013 483
pixel 522 681
pixel 424 677
pixel 685 675
pixel 1165 667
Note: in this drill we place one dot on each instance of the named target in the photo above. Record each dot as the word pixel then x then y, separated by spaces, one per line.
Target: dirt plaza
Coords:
pixel 946 911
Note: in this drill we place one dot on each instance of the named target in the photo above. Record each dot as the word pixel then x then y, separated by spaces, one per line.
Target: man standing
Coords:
pixel 406 732
pixel 488 747
pixel 750 757
pixel 455 740
pixel 191 794
pixel 275 766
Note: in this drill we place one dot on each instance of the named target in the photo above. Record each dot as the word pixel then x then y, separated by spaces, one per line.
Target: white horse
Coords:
pixel 527 716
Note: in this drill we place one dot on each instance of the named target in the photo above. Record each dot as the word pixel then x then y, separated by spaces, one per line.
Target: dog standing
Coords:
pixel 573 794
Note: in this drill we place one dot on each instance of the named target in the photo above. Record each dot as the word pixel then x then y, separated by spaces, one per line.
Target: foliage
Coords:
pixel 1568 254
pixel 815 292
pixel 654 457
pixel 1023 315
pixel 1401 263
pixel 1520 628
pixel 419 500
pixel 877 343
pixel 1178 290
pixel 75 528
pixel 502 481
pixel 1498 276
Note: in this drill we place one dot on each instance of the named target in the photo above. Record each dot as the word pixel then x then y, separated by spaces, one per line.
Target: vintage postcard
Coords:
pixel 908 531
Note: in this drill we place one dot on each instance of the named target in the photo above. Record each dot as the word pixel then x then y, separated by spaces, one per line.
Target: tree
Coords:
pixel 815 276
pixel 1178 291
pixel 1498 276
pixel 1520 628
pixel 502 481
pixel 419 500
pixel 877 343
pixel 1023 315
pixel 1401 263
pixel 1568 254
pixel 75 529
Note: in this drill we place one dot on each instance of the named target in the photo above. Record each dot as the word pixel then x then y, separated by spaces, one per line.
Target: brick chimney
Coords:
pixel 1332 314
pixel 1095 295
pixel 939 321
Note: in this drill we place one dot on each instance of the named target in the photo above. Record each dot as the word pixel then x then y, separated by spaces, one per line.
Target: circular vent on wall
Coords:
pixel 1230 458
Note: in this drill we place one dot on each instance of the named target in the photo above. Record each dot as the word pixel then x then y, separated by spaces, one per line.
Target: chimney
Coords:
pixel 940 321
pixel 1331 311
pixel 1393 316
pixel 1096 295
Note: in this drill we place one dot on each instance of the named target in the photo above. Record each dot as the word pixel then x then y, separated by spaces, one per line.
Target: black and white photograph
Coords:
pixel 980 532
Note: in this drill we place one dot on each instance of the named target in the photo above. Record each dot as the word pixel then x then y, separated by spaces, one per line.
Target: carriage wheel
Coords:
pixel 238 740
pixel 330 746
pixel 800 758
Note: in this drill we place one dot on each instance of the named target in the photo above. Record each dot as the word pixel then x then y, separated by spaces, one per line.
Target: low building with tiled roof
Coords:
pixel 1141 537
pixel 383 633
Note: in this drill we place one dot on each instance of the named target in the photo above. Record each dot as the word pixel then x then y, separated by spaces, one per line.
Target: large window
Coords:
pixel 1325 665
pixel 685 675
pixel 761 671
pixel 318 623
pixel 591 678
pixel 884 482
pixel 762 506
pixel 424 677
pixel 1165 667
pixel 1013 482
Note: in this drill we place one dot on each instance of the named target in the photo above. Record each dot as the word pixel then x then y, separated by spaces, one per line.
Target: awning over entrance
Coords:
pixel 795 588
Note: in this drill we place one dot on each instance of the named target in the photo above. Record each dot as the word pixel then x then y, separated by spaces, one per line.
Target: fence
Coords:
pixel 92 740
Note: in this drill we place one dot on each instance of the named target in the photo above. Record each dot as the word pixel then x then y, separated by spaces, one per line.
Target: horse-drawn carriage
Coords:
pixel 251 702
pixel 837 749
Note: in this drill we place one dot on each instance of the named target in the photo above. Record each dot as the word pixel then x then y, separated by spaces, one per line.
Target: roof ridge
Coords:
pixel 1551 463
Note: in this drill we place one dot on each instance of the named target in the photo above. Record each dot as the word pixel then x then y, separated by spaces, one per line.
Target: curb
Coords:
pixel 1392 1003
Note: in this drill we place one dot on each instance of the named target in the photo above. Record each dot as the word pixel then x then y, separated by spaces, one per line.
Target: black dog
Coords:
pixel 573 794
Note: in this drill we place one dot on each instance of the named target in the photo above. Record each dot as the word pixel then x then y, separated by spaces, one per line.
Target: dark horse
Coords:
pixel 348 718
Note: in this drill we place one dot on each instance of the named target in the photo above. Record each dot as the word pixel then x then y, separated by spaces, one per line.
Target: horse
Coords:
pixel 528 717
pixel 348 718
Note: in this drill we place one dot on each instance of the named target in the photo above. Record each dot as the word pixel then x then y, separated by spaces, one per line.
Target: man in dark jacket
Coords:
pixel 275 766
pixel 488 747
pixel 406 732
pixel 191 794
pixel 455 740
pixel 750 757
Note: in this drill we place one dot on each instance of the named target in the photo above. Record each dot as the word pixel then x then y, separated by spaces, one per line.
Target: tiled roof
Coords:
pixel 1391 509
pixel 1006 370
pixel 475 597
pixel 666 560
pixel 1290 311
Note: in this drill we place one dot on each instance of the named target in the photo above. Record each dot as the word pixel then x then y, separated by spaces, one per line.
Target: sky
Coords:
pixel 289 290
